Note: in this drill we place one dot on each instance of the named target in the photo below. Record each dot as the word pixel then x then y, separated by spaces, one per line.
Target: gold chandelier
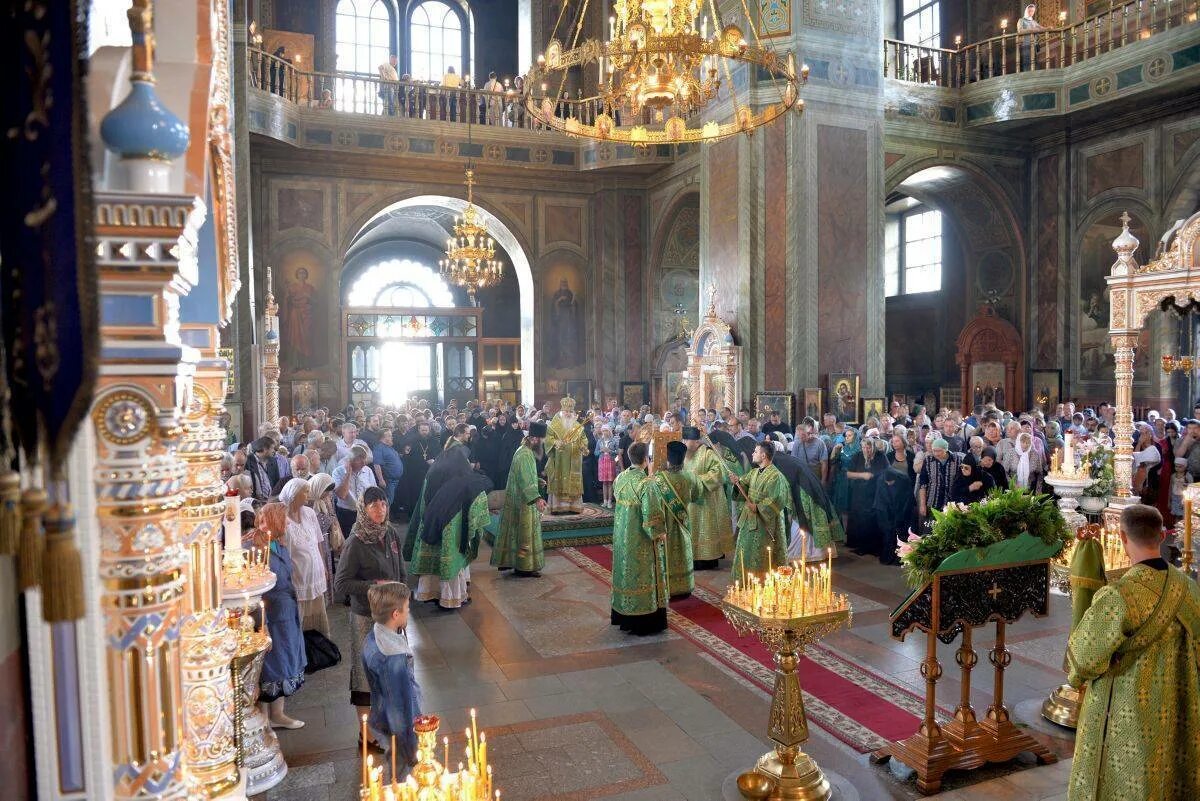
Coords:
pixel 663 77
pixel 471 260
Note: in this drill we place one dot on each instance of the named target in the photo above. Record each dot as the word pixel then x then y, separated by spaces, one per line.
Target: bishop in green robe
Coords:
pixel 519 543
pixel 1137 652
pixel 762 538
pixel 709 517
pixel 673 490
pixel 640 591
pixel 566 444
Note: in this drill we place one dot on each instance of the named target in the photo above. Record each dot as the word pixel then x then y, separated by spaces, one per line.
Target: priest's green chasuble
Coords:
pixel 762 534
pixel 639 584
pixel 709 516
pixel 1137 648
pixel 448 560
pixel 519 543
pixel 674 490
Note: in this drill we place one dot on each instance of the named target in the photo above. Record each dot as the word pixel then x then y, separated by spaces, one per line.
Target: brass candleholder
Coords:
pixel 787 770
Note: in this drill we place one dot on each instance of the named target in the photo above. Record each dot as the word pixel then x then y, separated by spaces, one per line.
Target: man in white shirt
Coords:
pixel 494 103
pixel 350 480
pixel 388 78
pixel 349 440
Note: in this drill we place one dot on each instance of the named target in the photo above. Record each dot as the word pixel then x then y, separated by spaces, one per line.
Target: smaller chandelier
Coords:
pixel 1172 363
pixel 471 261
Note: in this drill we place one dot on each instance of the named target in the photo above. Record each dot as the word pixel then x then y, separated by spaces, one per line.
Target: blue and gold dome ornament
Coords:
pixel 143 132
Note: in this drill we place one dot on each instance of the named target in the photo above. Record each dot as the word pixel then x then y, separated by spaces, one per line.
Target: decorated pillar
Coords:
pixel 146 258
pixel 1125 322
pixel 208 643
pixel 271 355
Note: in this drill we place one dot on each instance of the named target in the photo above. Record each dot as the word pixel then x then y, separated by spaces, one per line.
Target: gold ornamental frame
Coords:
pixel 714 354
pixel 1135 290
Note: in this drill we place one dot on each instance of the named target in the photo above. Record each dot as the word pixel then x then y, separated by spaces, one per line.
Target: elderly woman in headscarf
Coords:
pixel 283 665
pixel 453 517
pixel 370 556
pixel 990 465
pixel 866 466
pixel 310 573
pixel 1146 459
pixel 972 483
pixel 1023 463
pixel 320 498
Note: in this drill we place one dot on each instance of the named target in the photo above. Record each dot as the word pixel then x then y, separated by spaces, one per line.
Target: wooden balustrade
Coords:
pixel 368 94
pixel 1015 51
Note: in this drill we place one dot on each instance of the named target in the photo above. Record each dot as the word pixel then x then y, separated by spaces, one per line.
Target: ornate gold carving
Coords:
pixel 224 193
pixel 1118 308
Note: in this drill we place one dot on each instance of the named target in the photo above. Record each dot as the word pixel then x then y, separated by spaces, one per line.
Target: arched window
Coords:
pixel 399 282
pixel 362 35
pixel 435 36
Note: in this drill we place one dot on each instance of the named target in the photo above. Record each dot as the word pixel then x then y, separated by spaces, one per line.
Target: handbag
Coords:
pixel 320 651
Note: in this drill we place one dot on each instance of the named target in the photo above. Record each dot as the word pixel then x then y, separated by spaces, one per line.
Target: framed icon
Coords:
pixel 767 403
pixel 635 394
pixel 873 407
pixel 843 396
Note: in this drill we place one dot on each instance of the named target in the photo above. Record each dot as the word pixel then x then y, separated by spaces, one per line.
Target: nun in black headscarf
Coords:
pixel 989 464
pixel 971 484
pixel 866 466
pixel 895 510
pixel 451 465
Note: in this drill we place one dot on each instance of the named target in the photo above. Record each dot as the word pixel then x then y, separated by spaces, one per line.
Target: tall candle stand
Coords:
pixel 431 780
pixel 1064 702
pixel 787 608
pixel 246 578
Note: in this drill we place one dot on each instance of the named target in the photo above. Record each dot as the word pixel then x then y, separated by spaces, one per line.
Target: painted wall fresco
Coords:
pixel 1096 359
pixel 678 276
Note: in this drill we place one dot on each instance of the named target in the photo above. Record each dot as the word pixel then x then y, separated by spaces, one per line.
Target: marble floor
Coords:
pixel 576 710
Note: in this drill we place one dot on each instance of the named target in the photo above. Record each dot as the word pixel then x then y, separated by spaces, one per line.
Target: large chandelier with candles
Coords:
pixel 665 76
pixel 471 260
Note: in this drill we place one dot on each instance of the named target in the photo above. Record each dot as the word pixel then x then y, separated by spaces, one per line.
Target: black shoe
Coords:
pixel 502 569
pixel 527 574
pixel 681 596
pixel 372 745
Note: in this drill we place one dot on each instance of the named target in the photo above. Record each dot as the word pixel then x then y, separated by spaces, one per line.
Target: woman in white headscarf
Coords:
pixel 320 498
pixel 303 538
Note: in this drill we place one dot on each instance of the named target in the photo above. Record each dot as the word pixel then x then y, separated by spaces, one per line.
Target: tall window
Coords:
pixel 399 282
pixel 913 253
pixel 436 39
pixel 362 35
pixel 921 22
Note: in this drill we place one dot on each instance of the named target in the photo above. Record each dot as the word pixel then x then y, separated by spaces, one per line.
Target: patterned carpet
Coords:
pixel 858 706
pixel 592 526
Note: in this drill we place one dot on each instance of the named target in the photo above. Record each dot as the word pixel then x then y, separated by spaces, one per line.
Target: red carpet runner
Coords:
pixel 860 708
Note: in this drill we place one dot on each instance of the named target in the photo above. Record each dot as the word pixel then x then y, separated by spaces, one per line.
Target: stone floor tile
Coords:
pixel 698 778
pixel 594 679
pixel 549 706
pixel 665 743
pixel 536 686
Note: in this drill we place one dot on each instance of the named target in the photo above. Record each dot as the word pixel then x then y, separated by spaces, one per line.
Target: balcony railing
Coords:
pixel 368 94
pixel 1024 51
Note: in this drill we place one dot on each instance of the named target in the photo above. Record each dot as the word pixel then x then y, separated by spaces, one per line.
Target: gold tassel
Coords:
pixel 10 513
pixel 29 562
pixel 62 568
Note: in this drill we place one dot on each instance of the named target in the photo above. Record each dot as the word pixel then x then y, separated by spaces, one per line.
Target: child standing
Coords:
pixel 388 663
pixel 607 448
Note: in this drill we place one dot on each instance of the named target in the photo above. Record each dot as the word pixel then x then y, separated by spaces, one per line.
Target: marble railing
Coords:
pixel 1016 52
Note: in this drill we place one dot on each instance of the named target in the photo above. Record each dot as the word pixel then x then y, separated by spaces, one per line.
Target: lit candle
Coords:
pixel 474 733
pixel 446 745
pixel 364 751
pixel 393 759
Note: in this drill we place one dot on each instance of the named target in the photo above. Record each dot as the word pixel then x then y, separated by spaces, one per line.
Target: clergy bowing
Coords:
pixel 519 543
pixel 640 591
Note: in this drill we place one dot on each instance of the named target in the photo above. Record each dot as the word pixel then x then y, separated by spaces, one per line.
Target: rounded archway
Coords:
pixel 430 217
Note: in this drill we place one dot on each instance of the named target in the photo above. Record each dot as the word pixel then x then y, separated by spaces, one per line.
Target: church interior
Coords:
pixel 254 250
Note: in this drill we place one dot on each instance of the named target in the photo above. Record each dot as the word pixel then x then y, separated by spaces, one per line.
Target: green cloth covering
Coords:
pixel 1087 576
pixel 1137 650
pixel 674 490
pixel 414 524
pixel 519 543
pixel 763 534
pixel 447 561
pixel 709 517
pixel 639 560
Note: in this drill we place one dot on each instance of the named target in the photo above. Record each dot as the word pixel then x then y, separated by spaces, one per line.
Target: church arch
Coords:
pixel 505 238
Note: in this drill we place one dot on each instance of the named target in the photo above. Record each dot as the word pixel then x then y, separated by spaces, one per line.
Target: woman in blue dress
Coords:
pixel 283 666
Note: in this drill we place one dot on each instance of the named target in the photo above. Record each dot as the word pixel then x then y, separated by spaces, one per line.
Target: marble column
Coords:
pixel 792 218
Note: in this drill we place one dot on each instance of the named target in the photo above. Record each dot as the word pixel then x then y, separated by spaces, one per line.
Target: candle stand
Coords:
pixel 259 755
pixel 786 772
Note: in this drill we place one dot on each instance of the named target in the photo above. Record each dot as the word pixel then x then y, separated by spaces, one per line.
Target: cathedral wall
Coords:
pixel 308 212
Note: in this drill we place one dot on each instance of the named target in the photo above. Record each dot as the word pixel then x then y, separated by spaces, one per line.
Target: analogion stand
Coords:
pixel 969 591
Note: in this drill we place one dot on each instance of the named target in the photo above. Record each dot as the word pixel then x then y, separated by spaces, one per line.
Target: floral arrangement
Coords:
pixel 1003 515
pixel 1098 462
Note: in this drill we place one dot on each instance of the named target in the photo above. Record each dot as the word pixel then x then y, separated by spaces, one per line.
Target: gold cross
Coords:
pixel 995 590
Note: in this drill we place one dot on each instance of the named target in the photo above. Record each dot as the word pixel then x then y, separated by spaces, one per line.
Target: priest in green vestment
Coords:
pixel 762 537
pixel 566 444
pixel 448 531
pixel 709 518
pixel 1136 651
pixel 674 490
pixel 519 543
pixel 639 582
